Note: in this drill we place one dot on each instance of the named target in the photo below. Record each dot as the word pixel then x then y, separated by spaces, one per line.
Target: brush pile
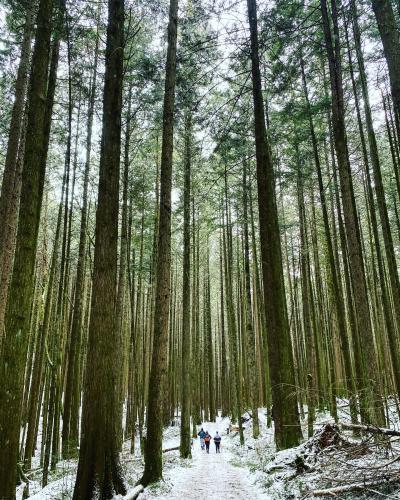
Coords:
pixel 340 460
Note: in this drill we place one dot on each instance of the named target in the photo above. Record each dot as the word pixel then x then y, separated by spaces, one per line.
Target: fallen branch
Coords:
pixel 370 428
pixel 364 467
pixel 171 449
pixel 133 494
pixel 332 492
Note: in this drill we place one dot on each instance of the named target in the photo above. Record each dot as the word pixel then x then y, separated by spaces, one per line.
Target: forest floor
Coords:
pixel 332 458
pixel 208 476
pixel 205 476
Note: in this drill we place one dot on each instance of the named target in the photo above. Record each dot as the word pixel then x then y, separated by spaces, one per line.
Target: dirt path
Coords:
pixel 209 477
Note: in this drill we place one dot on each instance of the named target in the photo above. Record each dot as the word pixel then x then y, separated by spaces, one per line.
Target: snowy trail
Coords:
pixel 210 476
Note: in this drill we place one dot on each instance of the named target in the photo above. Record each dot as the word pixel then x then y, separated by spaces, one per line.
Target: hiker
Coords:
pixel 217 441
pixel 207 440
pixel 202 435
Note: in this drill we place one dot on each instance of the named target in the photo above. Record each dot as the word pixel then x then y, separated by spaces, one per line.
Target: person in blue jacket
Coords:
pixel 202 435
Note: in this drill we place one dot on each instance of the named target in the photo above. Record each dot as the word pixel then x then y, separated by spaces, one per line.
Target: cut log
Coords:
pixel 171 449
pixel 133 494
pixel 332 492
pixel 370 428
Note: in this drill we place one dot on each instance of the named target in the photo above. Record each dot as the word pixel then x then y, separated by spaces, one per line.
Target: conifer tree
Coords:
pixel 280 356
pixel 20 299
pixel 99 468
pixel 159 360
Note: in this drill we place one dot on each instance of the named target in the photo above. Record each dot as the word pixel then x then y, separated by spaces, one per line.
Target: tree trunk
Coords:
pixel 287 425
pixel 123 264
pixel 381 200
pixel 234 368
pixel 306 300
pixel 39 363
pixel 390 36
pixel 70 430
pixel 11 185
pixel 208 338
pixel 17 319
pixel 99 469
pixel 185 446
pixel 371 394
pixel 250 331
pixel 335 284
pixel 159 364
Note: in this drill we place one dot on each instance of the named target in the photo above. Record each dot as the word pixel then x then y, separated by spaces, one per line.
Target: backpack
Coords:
pixel 207 439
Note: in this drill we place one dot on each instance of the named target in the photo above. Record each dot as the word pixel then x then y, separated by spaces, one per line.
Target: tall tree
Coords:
pixel 371 408
pixel 72 396
pixel 99 469
pixel 159 362
pixel 12 178
pixel 380 196
pixel 186 291
pixel 334 281
pixel 389 31
pixel 280 356
pixel 250 331
pixel 17 319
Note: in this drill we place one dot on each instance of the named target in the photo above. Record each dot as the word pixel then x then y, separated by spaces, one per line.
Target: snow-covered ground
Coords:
pixel 205 476
pixel 297 472
pixel 208 476
pixel 255 470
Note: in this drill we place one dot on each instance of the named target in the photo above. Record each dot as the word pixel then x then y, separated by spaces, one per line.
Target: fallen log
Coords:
pixel 171 449
pixel 332 492
pixel 370 428
pixel 133 494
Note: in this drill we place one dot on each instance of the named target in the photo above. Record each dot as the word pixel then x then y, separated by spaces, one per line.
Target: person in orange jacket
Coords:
pixel 207 441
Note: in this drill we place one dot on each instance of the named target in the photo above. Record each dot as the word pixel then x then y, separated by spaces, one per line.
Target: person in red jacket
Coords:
pixel 207 441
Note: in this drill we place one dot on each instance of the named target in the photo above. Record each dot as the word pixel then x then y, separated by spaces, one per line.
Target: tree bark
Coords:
pixel 99 468
pixel 381 200
pixel 72 396
pixel 306 300
pixel 159 363
pixel 185 445
pixel 287 424
pixel 234 368
pixel 12 179
pixel 371 392
pixel 250 331
pixel 335 283
pixel 208 338
pixel 123 264
pixel 390 36
pixel 17 318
